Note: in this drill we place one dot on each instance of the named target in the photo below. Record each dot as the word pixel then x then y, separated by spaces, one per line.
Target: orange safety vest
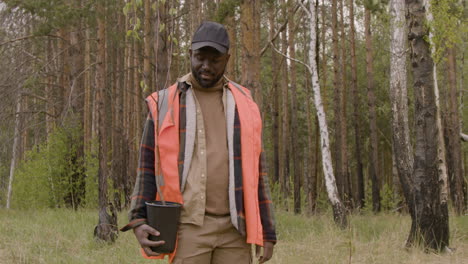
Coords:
pixel 168 142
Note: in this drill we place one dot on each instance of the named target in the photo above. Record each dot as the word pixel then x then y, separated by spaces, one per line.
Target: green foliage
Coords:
pixel 91 179
pixel 226 9
pixel 390 200
pixel 3 187
pixel 375 5
pixel 448 26
pixel 368 197
pixel 52 174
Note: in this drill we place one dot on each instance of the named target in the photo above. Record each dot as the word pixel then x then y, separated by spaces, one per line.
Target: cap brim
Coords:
pixel 198 45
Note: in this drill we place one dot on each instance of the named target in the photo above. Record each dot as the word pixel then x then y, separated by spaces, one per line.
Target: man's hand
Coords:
pixel 142 234
pixel 267 252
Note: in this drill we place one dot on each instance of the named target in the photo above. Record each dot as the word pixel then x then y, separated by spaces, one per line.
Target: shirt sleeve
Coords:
pixel 145 185
pixel 267 216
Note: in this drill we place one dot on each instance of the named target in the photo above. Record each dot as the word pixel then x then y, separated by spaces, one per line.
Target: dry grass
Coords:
pixel 65 236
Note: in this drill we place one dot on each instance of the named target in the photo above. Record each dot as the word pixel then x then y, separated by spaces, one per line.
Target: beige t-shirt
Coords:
pixel 206 189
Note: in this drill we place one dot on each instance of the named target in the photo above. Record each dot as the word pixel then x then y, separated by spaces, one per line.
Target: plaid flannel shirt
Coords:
pixel 145 185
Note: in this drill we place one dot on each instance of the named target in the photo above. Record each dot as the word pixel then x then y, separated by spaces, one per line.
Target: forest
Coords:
pixel 362 103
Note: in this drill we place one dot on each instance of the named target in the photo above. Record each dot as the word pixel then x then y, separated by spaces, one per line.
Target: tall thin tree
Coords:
pixel 339 211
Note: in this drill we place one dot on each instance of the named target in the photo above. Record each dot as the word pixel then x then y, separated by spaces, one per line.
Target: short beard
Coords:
pixel 205 84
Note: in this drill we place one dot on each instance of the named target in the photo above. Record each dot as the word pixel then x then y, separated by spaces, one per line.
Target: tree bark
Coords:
pixel 275 115
pixel 311 174
pixel 250 31
pixel 343 139
pixel 231 27
pixel 430 218
pixel 374 141
pixel 294 126
pixel 337 84
pixel 357 121
pixel 458 190
pixel 148 84
pixel 161 46
pixel 87 111
pixel 284 146
pixel 50 108
pixel 403 151
pixel 14 152
pixel 339 211
pixel 106 230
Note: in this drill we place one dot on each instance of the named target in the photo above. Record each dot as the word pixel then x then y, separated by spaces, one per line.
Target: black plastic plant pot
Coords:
pixel 165 219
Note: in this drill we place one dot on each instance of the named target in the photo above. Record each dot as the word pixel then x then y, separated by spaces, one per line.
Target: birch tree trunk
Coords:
pixel 339 211
pixel 430 219
pixel 399 101
pixel 14 153
pixel 441 162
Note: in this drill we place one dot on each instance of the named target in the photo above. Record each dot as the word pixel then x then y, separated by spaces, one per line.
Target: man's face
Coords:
pixel 208 65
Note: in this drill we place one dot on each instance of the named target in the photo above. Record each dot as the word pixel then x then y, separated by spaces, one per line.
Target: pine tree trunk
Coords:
pixel 458 190
pixel 311 175
pixel 360 195
pixel 126 112
pixel 250 31
pixel 87 111
pixel 138 97
pixel 343 139
pixel 275 111
pixel 339 211
pixel 50 120
pixel 284 146
pixel 294 125
pixel 76 104
pixel 147 54
pixel 374 141
pixel 231 27
pixel 430 219
pixel 161 47
pixel 196 16
pixel 106 230
pixel 337 84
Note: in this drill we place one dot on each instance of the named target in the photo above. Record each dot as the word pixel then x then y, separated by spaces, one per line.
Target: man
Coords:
pixel 207 131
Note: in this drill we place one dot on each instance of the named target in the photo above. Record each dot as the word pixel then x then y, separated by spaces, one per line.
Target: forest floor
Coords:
pixel 66 236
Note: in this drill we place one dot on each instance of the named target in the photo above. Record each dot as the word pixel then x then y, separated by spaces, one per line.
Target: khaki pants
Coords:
pixel 216 242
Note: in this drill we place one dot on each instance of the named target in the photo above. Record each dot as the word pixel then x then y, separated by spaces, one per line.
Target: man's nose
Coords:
pixel 205 64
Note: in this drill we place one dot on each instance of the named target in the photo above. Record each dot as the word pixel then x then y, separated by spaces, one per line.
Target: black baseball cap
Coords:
pixel 211 34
